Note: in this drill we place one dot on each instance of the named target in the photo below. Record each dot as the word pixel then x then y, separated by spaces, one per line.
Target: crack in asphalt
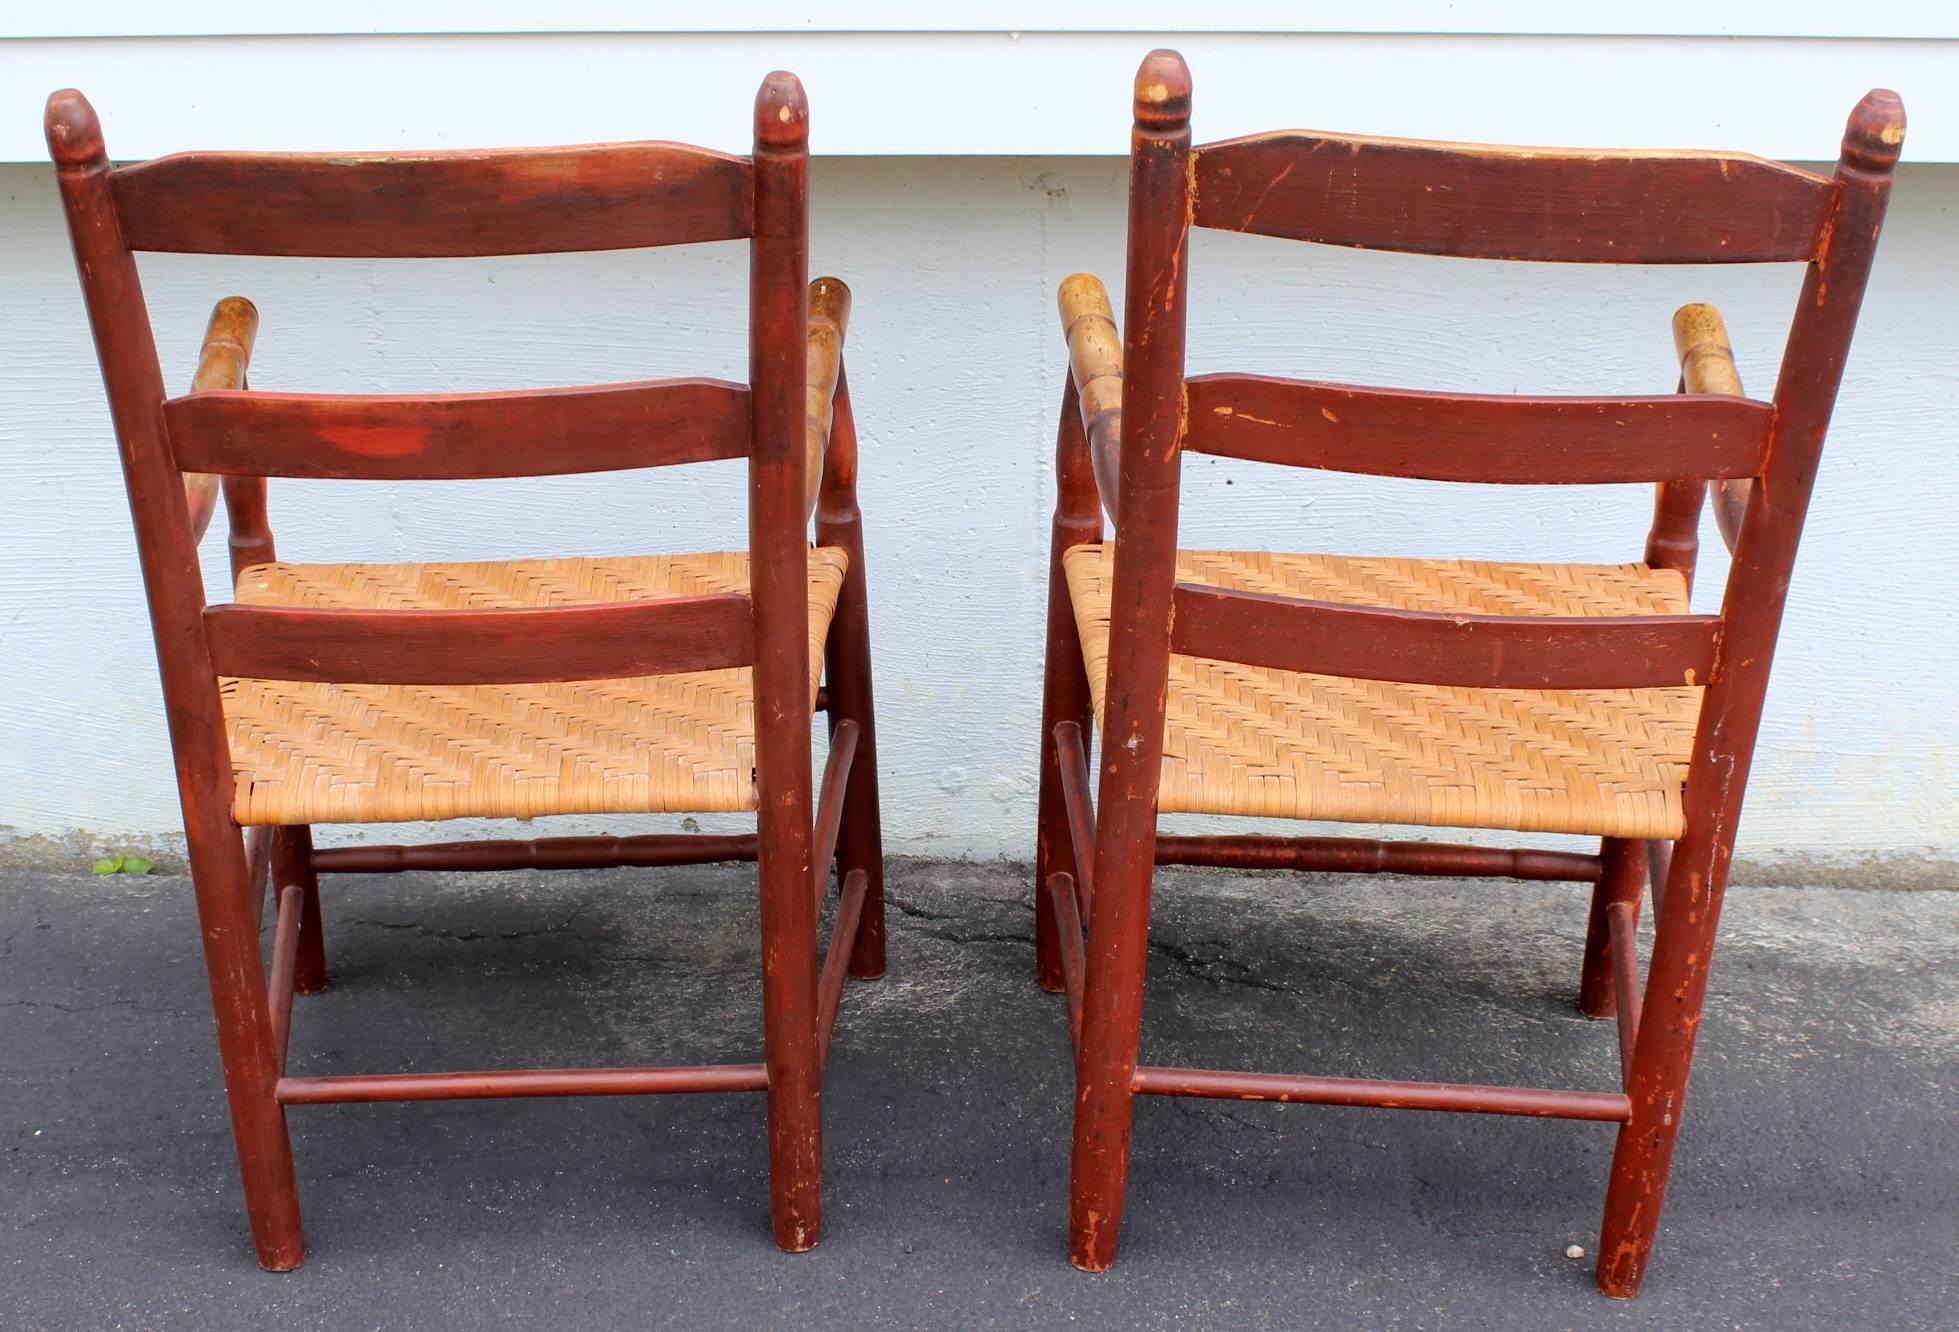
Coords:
pixel 468 936
pixel 60 1007
pixel 1206 969
pixel 912 911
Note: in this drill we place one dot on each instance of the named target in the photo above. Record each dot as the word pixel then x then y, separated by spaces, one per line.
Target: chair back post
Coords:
pixel 1731 712
pixel 1146 524
pixel 778 519
pixel 1139 644
pixel 126 347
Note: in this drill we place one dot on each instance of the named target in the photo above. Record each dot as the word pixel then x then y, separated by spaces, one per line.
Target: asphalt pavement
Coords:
pixel 1817 1183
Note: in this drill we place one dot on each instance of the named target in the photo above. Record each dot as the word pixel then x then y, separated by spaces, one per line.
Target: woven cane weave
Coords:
pixel 1248 740
pixel 324 753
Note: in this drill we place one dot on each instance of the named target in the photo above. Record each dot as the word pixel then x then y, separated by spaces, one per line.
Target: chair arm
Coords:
pixel 829 318
pixel 222 363
pixel 1095 360
pixel 1707 365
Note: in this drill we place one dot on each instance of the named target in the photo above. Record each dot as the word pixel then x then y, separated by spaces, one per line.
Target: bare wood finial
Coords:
pixel 1095 361
pixel 1707 365
pixel 829 320
pixel 227 352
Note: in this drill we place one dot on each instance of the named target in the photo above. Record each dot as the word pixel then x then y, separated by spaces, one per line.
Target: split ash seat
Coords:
pixel 1526 697
pixel 361 693
pixel 308 752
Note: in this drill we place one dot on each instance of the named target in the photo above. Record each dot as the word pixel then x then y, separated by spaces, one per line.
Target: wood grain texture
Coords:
pixel 540 432
pixel 1424 647
pixel 434 205
pixel 1475 437
pixel 1480 202
pixel 618 641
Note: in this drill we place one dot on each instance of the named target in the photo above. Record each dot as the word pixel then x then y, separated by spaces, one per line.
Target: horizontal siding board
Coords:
pixel 884 93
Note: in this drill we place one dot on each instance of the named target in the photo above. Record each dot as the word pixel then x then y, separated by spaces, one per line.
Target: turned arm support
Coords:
pixel 1707 365
pixel 1095 361
pixel 222 363
pixel 829 317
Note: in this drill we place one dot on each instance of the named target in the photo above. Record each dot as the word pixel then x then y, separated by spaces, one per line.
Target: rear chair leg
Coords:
pixel 1105 1100
pixel 1622 878
pixel 227 914
pixel 789 985
pixel 292 863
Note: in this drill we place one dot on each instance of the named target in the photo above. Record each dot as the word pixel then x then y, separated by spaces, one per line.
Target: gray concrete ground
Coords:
pixel 1817 1183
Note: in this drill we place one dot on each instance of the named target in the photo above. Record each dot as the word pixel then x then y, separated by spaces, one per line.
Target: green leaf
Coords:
pixel 109 865
pixel 136 865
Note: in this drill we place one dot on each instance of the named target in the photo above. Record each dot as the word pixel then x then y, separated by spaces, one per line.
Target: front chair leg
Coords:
pixel 1064 698
pixel 1622 878
pixel 1065 695
pixel 292 864
pixel 860 837
pixel 1663 1055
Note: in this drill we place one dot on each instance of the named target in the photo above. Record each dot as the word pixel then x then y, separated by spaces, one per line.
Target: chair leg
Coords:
pixel 292 863
pixel 860 838
pixel 1118 958
pixel 1670 1019
pixel 226 915
pixel 1622 879
pixel 1064 698
pixel 789 1010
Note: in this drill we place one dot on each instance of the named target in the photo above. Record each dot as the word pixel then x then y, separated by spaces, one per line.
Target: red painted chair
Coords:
pixel 359 693
pixel 1535 698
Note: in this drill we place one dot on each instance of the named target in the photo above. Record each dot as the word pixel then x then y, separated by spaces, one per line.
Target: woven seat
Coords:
pixel 325 753
pixel 1247 740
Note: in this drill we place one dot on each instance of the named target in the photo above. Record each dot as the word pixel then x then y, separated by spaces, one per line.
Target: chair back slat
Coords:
pixel 615 640
pixel 1476 202
pixel 434 205
pixel 544 432
pixel 1476 437
pixel 1429 648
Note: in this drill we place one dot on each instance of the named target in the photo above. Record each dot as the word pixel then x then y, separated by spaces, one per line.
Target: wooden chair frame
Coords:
pixel 1128 414
pixel 793 423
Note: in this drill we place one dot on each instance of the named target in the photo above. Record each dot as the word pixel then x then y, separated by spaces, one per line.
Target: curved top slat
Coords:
pixel 435 205
pixel 1477 202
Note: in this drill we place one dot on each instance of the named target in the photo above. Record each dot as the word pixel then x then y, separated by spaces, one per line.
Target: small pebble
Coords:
pixel 1574 1251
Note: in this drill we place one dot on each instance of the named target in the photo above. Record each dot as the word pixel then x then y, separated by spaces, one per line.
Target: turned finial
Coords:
pixel 1876 132
pixel 74 133
pixel 1162 90
pixel 781 111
